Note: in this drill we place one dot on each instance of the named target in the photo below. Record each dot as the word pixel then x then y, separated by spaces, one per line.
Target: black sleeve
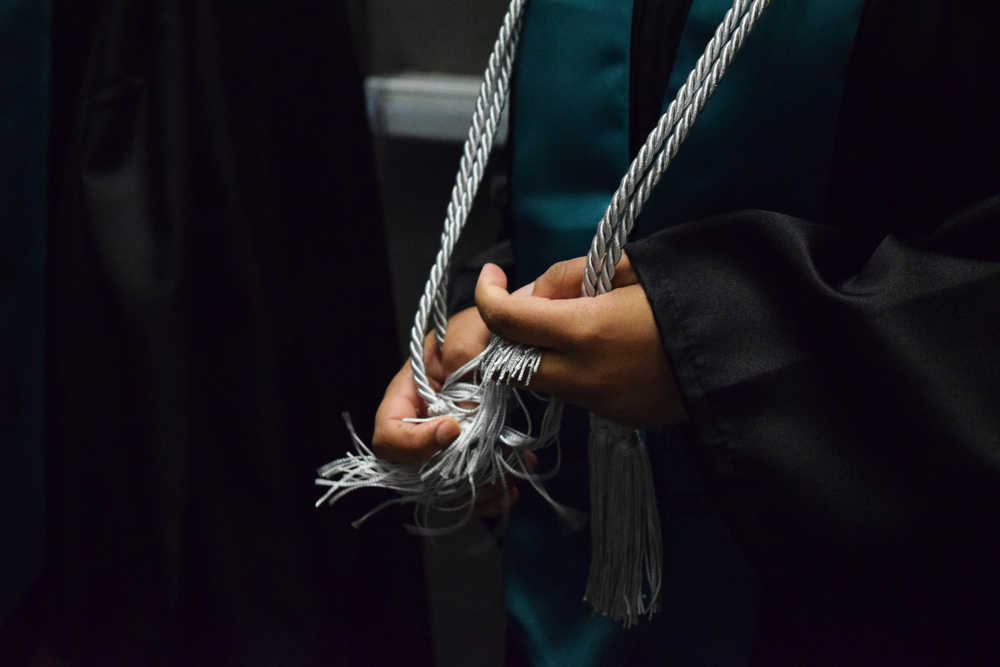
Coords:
pixel 462 294
pixel 489 239
pixel 846 396
pixel 843 376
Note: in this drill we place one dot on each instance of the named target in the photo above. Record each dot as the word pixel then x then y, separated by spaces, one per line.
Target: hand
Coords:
pixel 400 441
pixel 466 337
pixel 602 353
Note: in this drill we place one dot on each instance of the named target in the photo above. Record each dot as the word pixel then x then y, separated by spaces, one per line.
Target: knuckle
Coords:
pixel 560 276
pixel 496 319
pixel 547 284
pixel 457 355
pixel 559 272
pixel 450 359
pixel 393 444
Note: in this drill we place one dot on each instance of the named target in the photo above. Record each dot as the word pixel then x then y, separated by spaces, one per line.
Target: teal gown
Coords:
pixel 759 143
pixel 25 28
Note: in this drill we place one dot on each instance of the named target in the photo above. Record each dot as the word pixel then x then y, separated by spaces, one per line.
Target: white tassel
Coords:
pixel 485 451
pixel 626 563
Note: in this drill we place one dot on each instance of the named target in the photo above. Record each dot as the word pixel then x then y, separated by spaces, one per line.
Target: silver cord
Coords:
pixel 487 447
pixel 492 97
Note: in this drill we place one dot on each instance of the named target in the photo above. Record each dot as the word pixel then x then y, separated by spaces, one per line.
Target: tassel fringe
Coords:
pixel 486 450
pixel 626 566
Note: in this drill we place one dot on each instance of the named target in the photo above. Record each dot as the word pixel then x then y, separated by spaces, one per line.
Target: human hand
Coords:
pixel 602 353
pixel 401 441
pixel 466 337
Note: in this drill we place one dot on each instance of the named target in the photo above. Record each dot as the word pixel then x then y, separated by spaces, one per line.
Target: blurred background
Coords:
pixel 218 218
pixel 419 119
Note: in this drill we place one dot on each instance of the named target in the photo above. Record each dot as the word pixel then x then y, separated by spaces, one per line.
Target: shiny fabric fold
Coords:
pixel 842 373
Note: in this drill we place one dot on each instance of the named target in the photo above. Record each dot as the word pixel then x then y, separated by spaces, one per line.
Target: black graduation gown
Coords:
pixel 843 375
pixel 218 293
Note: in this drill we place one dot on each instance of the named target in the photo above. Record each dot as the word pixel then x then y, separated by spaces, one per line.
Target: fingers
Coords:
pixel 564 280
pixel 434 361
pixel 552 313
pixel 531 320
pixel 624 273
pixel 467 336
pixel 399 441
pixel 524 290
pixel 558 376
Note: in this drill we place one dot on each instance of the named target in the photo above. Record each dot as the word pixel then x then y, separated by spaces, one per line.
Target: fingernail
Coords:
pixel 447 431
pixel 527 290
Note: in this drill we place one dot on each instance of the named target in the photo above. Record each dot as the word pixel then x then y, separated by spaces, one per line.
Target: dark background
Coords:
pixel 464 596
pixel 227 254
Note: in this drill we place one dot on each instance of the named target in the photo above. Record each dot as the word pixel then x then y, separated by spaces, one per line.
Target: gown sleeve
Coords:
pixel 843 376
pixel 845 394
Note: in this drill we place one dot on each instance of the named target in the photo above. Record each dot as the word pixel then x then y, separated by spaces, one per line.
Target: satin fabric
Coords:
pixel 560 184
pixel 842 373
pixel 568 158
pixel 559 189
pixel 24 114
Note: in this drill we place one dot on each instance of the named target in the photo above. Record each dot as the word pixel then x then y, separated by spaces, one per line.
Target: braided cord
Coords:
pixel 653 159
pixel 485 120
pixel 494 89
pixel 635 189
pixel 662 144
pixel 448 481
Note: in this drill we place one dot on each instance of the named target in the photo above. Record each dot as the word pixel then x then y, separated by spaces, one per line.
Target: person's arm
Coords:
pixel 844 401
pixel 842 379
pixel 855 404
pixel 403 442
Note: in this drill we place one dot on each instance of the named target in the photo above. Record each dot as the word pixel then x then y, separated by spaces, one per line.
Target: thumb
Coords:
pixel 525 319
pixel 562 280
pixel 492 276
pixel 491 290
pixel 400 441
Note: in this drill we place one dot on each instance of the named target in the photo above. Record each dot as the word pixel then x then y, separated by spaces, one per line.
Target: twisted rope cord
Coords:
pixel 657 152
pixel 663 142
pixel 475 153
pixel 448 482
pixel 626 548
pixel 619 204
pixel 485 120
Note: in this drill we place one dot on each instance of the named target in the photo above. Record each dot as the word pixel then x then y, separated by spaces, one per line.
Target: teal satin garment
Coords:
pixel 25 28
pixel 570 124
pixel 765 141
